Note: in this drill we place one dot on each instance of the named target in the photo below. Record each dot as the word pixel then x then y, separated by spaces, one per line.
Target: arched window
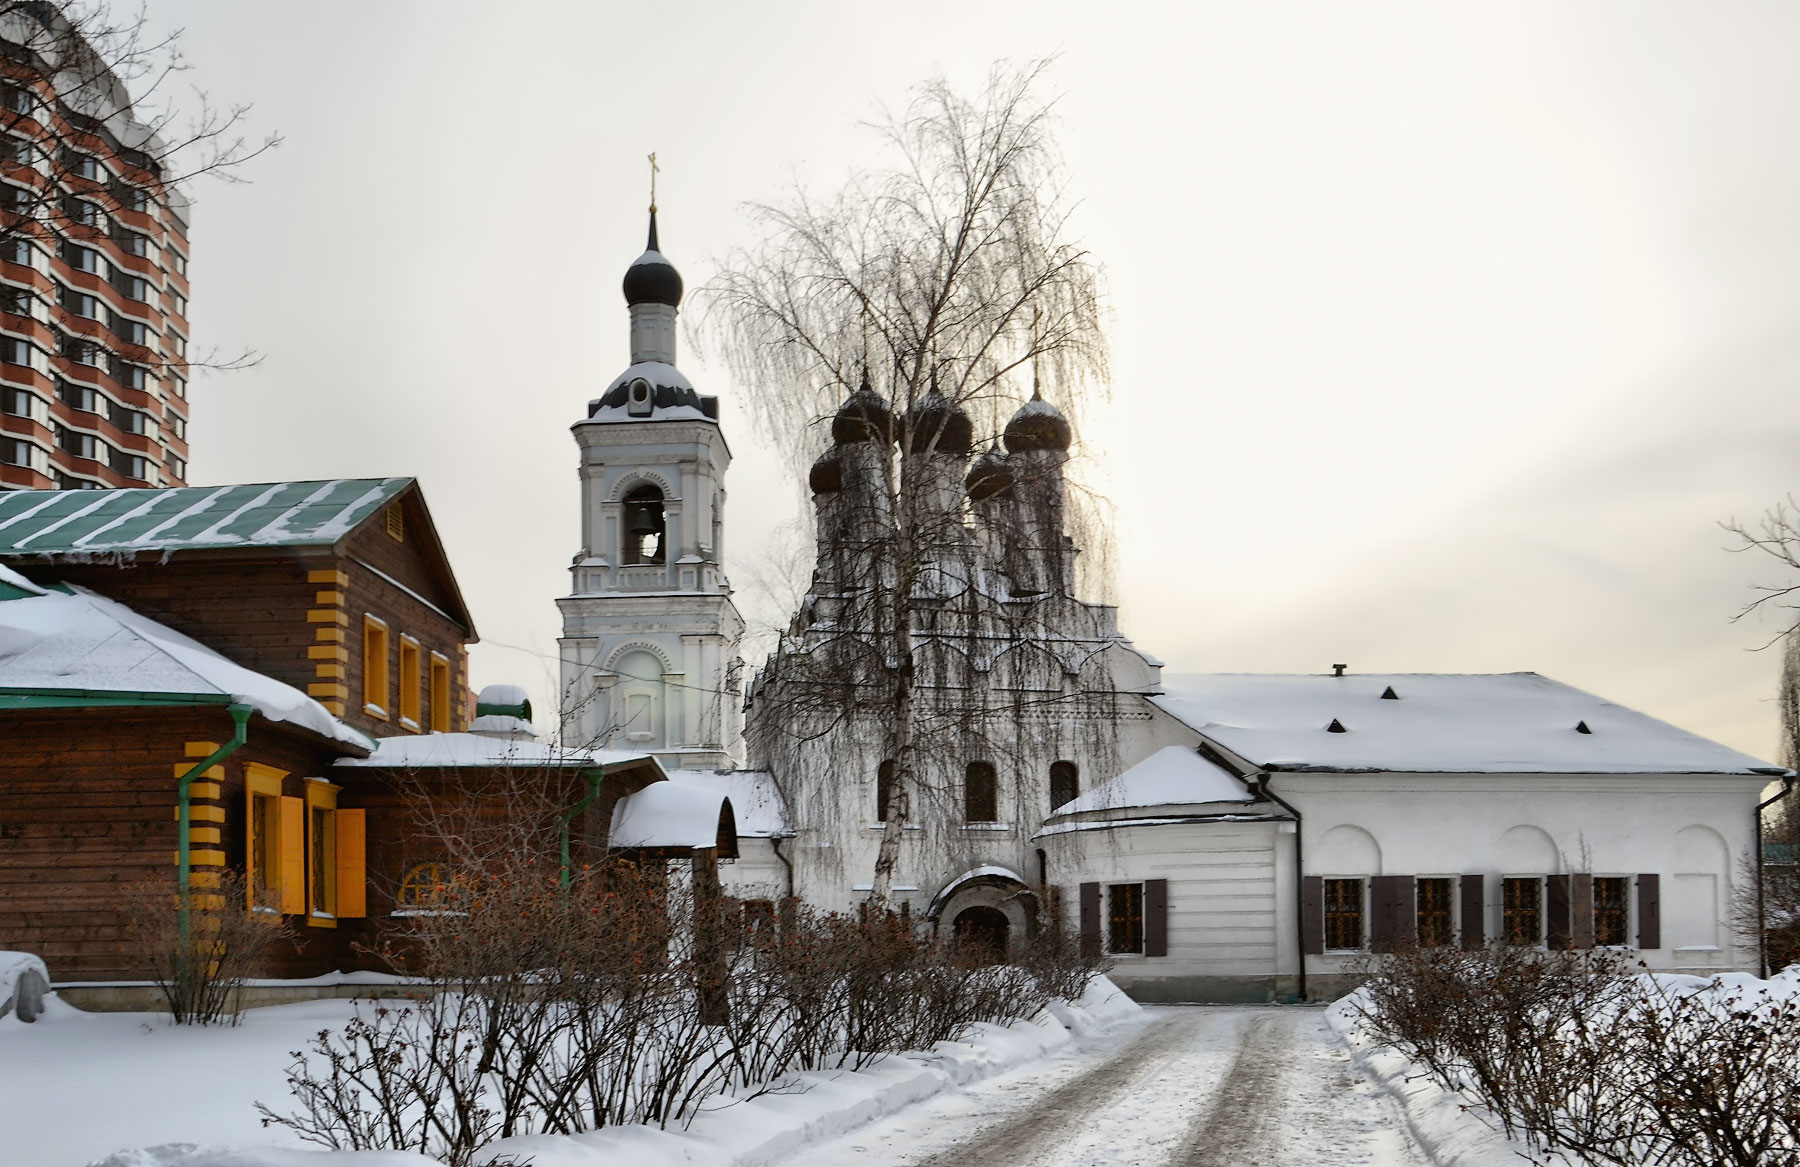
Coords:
pixel 884 789
pixel 981 794
pixel 644 526
pixel 1065 783
pixel 426 887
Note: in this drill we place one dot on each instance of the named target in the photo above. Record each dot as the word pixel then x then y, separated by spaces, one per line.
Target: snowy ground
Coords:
pixel 1189 1086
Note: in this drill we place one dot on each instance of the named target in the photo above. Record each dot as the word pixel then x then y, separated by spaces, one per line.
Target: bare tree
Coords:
pixel 941 289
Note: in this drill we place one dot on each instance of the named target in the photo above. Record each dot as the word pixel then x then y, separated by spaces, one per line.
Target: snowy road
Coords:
pixel 1189 1087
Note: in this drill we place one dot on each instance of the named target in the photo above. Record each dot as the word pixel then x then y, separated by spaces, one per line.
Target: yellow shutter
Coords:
pixel 291 845
pixel 352 878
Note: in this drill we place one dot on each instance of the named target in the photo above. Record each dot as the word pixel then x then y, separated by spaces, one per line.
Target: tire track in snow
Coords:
pixel 1240 1120
pixel 1028 1137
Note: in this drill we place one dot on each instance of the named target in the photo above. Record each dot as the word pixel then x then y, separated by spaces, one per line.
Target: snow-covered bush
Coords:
pixel 1590 1065
pixel 553 1010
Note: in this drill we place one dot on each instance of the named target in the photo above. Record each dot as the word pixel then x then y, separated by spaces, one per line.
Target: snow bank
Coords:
pixel 802 1110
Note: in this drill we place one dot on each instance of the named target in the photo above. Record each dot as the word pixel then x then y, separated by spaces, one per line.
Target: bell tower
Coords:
pixel 650 633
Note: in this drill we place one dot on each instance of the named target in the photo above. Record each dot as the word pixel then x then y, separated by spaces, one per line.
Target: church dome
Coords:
pixel 863 417
pixel 651 278
pixel 827 474
pixel 1038 426
pixel 989 476
pixel 939 425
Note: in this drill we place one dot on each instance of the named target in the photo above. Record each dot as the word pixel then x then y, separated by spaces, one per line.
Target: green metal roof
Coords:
pixel 278 514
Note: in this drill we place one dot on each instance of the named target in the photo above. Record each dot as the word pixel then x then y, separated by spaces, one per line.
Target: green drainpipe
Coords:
pixel 240 716
pixel 593 778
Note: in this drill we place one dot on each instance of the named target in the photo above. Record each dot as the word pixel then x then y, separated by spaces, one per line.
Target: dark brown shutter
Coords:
pixel 1649 888
pixel 1090 919
pixel 1312 915
pixel 1556 912
pixel 1474 912
pixel 1394 923
pixel 1156 917
pixel 1581 910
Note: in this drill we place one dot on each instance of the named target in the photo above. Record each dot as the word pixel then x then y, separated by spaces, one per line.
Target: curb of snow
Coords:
pixel 1454 1131
pixel 759 1132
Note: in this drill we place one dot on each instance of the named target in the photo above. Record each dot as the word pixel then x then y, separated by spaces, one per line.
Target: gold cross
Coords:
pixel 653 169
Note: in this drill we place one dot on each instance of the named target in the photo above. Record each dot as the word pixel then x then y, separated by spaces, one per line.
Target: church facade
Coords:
pixel 1219 837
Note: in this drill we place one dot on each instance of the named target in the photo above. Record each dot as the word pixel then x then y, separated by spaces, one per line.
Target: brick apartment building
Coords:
pixel 93 273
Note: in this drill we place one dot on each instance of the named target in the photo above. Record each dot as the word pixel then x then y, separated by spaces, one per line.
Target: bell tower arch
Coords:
pixel 649 590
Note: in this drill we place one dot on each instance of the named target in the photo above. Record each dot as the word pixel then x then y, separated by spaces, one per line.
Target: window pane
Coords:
pixel 1435 923
pixel 980 794
pixel 1125 917
pixel 1065 783
pixel 1611 910
pixel 1343 913
pixel 1522 920
pixel 884 789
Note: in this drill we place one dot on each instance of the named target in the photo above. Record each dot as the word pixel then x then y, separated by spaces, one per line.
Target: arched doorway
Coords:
pixel 983 930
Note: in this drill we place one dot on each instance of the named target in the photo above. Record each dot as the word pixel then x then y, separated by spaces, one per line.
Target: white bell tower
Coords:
pixel 650 634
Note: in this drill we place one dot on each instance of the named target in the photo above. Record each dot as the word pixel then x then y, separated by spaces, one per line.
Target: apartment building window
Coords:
pixel 1125 918
pixel 1436 923
pixel 178 386
pixel 129 286
pixel 178 342
pixel 1522 910
pixel 1344 915
pixel 16 149
pixel 131 242
pixel 15 300
pixel 16 251
pixel 1612 910
pixel 17 99
pixel 19 452
pixel 131 376
pixel 440 693
pixel 411 678
pixel 176 424
pixel 81 304
pixel 179 302
pixel 77 443
pixel 132 421
pixel 85 213
pixel 81 258
pixel 130 465
pixel 82 352
pixel 16 402
pixel 77 396
pixel 177 262
pixel 126 329
pixel 375 667
pixel 14 351
pixel 132 198
pixel 87 166
pixel 176 466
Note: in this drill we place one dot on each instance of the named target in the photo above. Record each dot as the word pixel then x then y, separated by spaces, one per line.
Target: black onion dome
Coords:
pixel 989 476
pixel 939 425
pixel 827 475
pixel 864 417
pixel 651 278
pixel 1038 426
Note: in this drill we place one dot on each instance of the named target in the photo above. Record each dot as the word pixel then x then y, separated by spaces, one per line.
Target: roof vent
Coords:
pixel 1582 727
pixel 1338 670
pixel 1336 726
pixel 1388 694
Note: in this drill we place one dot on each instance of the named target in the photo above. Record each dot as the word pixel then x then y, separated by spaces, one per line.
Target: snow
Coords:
pixel 435 751
pixel 755 799
pixel 83 641
pixel 1172 776
pixel 1440 723
pixel 13 579
pixel 13 965
pixel 146 1071
pixel 502 695
pixel 668 814
pixel 985 871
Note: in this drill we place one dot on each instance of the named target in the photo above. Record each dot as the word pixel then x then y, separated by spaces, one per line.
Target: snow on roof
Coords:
pixel 436 751
pixel 667 814
pixel 77 640
pixel 1172 776
pixel 1518 723
pixel 280 514
pixel 755 799
pixel 12 579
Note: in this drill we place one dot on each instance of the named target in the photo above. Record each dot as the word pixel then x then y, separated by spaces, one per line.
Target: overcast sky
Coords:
pixel 1443 335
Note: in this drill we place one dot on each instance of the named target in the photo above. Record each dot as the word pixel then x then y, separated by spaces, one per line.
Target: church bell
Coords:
pixel 643 517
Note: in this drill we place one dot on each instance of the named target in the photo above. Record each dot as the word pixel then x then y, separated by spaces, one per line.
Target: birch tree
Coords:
pixel 945 282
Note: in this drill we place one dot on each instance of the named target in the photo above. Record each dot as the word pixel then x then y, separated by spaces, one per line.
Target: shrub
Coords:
pixel 202 943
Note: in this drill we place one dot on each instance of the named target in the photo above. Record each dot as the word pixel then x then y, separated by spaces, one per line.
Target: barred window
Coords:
pixel 1436 925
pixel 1612 899
pixel 1522 911
pixel 1125 917
pixel 1344 913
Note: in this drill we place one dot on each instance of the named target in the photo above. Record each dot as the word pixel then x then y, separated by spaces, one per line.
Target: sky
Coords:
pixel 1443 336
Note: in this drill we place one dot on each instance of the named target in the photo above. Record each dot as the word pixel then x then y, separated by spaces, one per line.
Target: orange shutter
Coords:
pixel 291 846
pixel 352 902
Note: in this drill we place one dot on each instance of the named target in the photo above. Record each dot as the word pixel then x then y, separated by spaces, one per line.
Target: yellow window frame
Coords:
pixel 440 693
pixel 375 685
pixel 321 854
pixel 262 837
pixel 411 676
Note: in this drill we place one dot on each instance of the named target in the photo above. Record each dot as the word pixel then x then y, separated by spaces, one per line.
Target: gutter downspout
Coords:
pixel 775 846
pixel 1263 789
pixel 593 778
pixel 1762 924
pixel 240 716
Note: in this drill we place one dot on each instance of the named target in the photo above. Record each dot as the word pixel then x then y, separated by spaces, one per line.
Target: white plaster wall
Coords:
pixel 1692 831
pixel 756 874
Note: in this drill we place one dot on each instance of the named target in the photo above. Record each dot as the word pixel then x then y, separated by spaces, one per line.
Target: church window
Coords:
pixel 644 528
pixel 1125 917
pixel 884 789
pixel 1344 914
pixel 1065 783
pixel 981 794
pixel 1433 899
pixel 1612 910
pixel 1522 910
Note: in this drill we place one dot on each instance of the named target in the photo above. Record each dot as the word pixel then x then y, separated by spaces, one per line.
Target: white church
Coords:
pixel 1219 837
